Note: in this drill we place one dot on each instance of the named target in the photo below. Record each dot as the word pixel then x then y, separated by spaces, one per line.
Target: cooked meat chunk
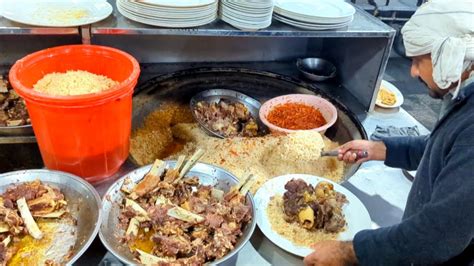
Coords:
pixel 324 203
pixel 158 214
pixel 172 245
pixel 28 190
pixel 214 221
pixel 12 108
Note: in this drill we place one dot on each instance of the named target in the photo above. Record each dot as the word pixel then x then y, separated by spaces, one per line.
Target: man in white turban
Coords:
pixel 438 222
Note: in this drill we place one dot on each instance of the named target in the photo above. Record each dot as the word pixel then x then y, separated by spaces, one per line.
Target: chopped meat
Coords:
pixel 182 193
pixel 3 253
pixel 214 221
pixel 198 205
pixel 12 108
pixel 241 213
pixel 204 192
pixel 229 119
pixel 158 214
pixel 28 190
pixel 171 219
pixel 172 245
pixel 325 203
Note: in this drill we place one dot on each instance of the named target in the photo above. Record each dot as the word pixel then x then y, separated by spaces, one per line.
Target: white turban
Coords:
pixel 444 29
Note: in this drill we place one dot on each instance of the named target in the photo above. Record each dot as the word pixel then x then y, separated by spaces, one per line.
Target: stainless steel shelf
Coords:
pixel 8 27
pixel 364 25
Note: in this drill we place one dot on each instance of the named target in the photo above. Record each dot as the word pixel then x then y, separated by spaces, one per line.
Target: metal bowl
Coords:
pixel 110 231
pixel 316 69
pixel 25 130
pixel 216 95
pixel 82 198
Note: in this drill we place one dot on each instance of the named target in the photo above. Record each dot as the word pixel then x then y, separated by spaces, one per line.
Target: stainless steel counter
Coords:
pixel 383 190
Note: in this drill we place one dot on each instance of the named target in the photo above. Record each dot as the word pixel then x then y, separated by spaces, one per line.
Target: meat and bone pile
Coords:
pixel 228 119
pixel 19 206
pixel 12 108
pixel 314 208
pixel 189 223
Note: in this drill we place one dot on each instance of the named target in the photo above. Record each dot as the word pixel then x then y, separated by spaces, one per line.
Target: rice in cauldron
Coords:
pixel 266 157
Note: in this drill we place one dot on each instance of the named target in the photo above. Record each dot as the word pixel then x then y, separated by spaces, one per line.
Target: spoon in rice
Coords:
pixel 360 153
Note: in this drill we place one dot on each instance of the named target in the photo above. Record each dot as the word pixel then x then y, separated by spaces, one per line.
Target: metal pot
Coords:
pixel 83 201
pixel 110 231
pixel 316 69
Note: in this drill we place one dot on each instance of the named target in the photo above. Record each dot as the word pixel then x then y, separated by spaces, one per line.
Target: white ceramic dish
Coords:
pixel 247 14
pixel 309 26
pixel 170 21
pixel 177 3
pixel 399 96
pixel 357 216
pixel 151 12
pixel 315 8
pixel 56 13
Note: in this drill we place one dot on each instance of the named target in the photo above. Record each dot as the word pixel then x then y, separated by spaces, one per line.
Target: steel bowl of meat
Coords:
pixel 46 217
pixel 227 113
pixel 14 119
pixel 178 213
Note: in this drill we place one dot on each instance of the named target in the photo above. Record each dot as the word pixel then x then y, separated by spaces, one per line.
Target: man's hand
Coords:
pixel 376 150
pixel 331 252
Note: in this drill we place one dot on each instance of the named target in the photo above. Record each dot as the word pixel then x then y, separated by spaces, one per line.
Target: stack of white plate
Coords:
pixel 247 14
pixel 314 14
pixel 170 13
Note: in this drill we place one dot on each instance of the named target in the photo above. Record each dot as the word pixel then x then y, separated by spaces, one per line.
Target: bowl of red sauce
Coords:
pixel 294 112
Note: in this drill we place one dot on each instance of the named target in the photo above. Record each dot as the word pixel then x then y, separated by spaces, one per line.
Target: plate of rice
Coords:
pixel 293 236
pixel 389 96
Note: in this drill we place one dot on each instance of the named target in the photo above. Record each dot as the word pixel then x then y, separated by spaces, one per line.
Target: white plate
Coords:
pixel 164 9
pixel 166 23
pixel 166 14
pixel 167 17
pixel 56 13
pixel 390 87
pixel 357 216
pixel 309 26
pixel 177 3
pixel 316 8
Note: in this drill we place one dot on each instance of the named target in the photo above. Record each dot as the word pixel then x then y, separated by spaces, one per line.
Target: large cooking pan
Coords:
pixel 181 86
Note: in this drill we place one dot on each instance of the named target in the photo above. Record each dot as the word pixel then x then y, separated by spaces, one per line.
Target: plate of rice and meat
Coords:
pixel 178 213
pixel 297 210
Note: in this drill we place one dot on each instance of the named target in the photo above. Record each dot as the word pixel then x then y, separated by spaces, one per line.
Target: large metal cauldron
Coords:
pixel 181 86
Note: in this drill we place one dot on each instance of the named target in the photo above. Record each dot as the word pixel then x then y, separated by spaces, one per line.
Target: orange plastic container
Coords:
pixel 87 135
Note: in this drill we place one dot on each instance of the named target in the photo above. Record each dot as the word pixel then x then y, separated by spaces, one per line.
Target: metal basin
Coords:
pixel 316 69
pixel 26 130
pixel 110 231
pixel 182 85
pixel 83 200
pixel 216 95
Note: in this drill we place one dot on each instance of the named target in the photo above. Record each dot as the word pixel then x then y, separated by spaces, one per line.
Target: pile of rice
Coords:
pixel 153 139
pixel 265 157
pixel 75 82
pixel 293 231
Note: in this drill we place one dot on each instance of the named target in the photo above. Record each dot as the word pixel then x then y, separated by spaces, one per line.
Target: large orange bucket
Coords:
pixel 87 135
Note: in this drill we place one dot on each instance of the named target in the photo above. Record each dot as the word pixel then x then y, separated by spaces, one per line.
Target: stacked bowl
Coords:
pixel 314 14
pixel 168 13
pixel 248 15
